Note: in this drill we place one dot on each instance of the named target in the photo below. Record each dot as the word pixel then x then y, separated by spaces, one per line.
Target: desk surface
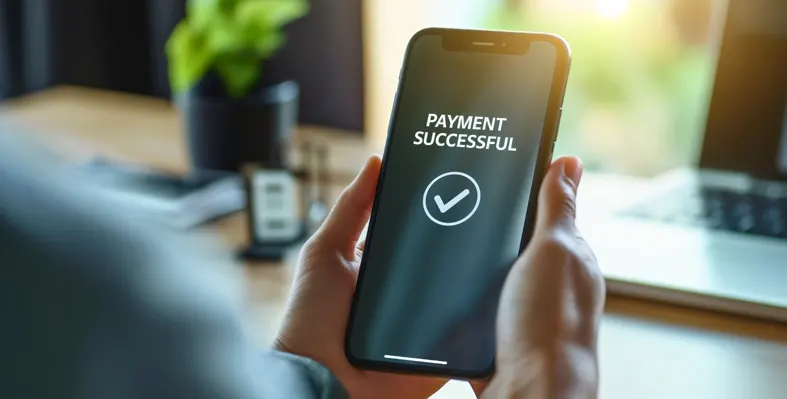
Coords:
pixel 647 350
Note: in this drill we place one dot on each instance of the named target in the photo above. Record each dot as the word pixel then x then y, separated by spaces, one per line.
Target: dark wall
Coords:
pixel 163 16
pixel 9 48
pixel 83 42
pixel 324 54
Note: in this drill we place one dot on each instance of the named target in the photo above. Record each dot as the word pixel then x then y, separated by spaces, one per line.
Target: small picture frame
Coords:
pixel 275 212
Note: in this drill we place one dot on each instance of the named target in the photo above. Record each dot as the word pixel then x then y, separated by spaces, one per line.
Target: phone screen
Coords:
pixel 452 202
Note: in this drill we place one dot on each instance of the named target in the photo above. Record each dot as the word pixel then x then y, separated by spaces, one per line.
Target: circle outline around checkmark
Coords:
pixel 475 208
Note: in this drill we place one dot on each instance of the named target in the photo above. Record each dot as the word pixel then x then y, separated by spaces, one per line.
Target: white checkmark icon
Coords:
pixel 446 207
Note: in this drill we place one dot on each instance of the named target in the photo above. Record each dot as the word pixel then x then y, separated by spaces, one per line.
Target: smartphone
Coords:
pixel 471 136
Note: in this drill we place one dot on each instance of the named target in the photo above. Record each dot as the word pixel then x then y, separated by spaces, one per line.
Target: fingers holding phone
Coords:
pixel 551 303
pixel 471 134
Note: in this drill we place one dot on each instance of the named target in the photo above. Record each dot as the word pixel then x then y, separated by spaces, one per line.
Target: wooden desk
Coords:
pixel 647 350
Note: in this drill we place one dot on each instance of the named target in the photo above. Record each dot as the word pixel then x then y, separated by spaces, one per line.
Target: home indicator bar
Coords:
pixel 415 359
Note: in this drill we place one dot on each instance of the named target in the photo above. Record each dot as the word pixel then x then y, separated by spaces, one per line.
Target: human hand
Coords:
pixel 551 304
pixel 322 291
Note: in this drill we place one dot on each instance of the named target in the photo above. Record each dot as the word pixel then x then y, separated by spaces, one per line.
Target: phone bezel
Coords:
pixel 462 41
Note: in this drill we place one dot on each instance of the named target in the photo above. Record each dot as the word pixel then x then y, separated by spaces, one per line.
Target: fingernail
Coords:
pixel 369 160
pixel 573 169
pixel 365 166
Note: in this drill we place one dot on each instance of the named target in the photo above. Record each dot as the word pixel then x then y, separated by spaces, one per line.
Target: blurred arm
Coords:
pixel 97 305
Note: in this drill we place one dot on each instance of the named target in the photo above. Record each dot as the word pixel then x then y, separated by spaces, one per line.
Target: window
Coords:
pixel 641 72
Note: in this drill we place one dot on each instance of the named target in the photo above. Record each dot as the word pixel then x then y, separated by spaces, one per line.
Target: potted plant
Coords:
pixel 215 63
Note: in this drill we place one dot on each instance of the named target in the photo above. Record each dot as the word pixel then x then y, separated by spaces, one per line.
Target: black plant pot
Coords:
pixel 224 133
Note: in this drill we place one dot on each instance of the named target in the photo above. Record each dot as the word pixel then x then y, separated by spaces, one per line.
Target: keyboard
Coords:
pixel 759 212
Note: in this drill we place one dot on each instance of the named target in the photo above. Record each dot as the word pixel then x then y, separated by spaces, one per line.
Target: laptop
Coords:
pixel 716 237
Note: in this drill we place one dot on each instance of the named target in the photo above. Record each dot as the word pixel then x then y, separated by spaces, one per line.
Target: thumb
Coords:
pixel 557 198
pixel 344 224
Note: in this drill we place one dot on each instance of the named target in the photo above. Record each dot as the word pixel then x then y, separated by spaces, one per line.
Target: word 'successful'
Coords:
pixel 473 126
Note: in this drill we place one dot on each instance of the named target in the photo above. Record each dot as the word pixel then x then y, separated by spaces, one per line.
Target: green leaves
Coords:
pixel 188 58
pixel 268 13
pixel 230 37
pixel 238 72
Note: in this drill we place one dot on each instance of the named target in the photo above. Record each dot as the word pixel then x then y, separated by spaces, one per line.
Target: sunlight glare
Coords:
pixel 611 9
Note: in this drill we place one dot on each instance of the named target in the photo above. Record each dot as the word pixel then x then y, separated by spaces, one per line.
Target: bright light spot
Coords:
pixel 611 9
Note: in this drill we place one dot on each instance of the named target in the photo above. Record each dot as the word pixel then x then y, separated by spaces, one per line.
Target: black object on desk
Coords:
pixel 284 207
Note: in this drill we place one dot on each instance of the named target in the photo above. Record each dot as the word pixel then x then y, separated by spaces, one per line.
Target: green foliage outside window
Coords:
pixel 637 96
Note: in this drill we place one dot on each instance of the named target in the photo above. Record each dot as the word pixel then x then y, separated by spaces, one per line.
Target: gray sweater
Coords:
pixel 96 304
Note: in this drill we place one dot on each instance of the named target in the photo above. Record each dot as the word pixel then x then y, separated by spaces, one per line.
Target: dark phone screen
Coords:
pixel 452 203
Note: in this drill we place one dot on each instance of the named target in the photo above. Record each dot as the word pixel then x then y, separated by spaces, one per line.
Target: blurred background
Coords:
pixel 641 72
pixel 640 79
pixel 286 98
pixel 121 47
pixel 638 91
